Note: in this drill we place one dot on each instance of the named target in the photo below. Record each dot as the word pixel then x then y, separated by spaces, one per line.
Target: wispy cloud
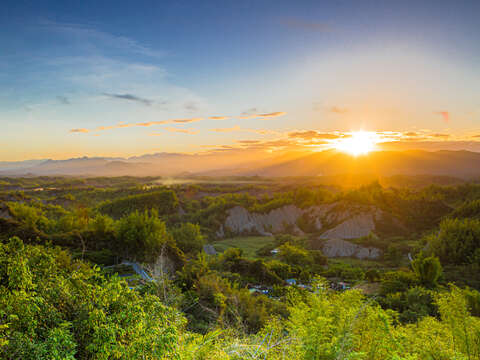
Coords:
pixel 445 115
pixel 184 121
pixel 87 34
pixel 152 123
pixel 338 110
pixel 176 130
pixel 312 134
pixel 264 115
pixel 130 97
pixel 63 100
pixel 237 128
pixel 219 117
pixel 79 130
pixel 231 129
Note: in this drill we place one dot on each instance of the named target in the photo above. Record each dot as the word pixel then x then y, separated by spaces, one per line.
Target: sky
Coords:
pixel 125 78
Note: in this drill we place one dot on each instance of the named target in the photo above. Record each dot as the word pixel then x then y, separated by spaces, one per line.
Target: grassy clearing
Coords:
pixel 249 244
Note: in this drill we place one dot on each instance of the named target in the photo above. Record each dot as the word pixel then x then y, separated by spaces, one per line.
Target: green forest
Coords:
pixel 127 268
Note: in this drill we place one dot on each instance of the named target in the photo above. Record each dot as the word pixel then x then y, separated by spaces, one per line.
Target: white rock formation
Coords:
pixel 342 248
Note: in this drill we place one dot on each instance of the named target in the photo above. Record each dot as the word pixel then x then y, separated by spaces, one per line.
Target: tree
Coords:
pixel 294 255
pixel 456 241
pixel 188 238
pixel 428 270
pixel 141 236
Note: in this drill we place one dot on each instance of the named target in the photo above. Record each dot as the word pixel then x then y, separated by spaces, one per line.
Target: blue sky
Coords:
pixel 104 67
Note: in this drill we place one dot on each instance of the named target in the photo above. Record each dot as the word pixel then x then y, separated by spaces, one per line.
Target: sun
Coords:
pixel 357 143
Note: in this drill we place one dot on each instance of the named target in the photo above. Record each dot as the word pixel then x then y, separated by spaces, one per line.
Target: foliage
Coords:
pixel 428 270
pixel 143 237
pixel 188 238
pixel 53 307
pixel 457 241
pixel 164 202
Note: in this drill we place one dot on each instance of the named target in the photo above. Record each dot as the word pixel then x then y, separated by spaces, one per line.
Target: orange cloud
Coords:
pixel 186 120
pixel 151 123
pixel 266 115
pixel 79 130
pixel 444 114
pixel 232 129
pixel 183 131
pixel 182 121
pixel 273 114
pixel 312 134
pixel 338 110
pixel 440 135
pixel 248 141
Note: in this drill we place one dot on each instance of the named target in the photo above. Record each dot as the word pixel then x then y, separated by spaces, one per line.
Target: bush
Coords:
pixel 457 241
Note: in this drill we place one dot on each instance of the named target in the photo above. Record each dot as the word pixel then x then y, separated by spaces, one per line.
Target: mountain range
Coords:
pixel 460 164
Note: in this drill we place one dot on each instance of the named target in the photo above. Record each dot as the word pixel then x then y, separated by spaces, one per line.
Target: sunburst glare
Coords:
pixel 358 143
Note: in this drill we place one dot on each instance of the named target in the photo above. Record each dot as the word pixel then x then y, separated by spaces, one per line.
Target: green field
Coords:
pixel 249 244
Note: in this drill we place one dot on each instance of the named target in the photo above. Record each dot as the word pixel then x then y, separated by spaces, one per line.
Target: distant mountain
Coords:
pixel 464 164
pixel 458 164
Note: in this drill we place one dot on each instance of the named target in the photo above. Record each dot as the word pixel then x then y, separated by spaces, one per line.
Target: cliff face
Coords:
pixel 339 221
pixel 353 228
pixel 241 220
pixel 342 248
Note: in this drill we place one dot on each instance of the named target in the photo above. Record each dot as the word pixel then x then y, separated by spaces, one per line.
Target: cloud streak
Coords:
pixel 312 134
pixel 177 130
pixel 129 97
pixel 263 116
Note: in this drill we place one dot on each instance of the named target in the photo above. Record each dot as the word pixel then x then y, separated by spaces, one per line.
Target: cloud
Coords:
pixel 338 110
pixel 237 128
pixel 184 131
pixel 219 117
pixel 273 114
pixel 79 130
pixel 176 130
pixel 411 134
pixel 129 97
pixel 232 129
pixel 186 120
pixel 248 141
pixel 152 123
pixel 266 115
pixel 440 135
pixel 79 33
pixel 63 100
pixel 191 106
pixel 312 134
pixel 249 112
pixel 444 114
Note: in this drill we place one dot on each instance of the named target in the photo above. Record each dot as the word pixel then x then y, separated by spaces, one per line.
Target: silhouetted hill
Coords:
pixel 458 164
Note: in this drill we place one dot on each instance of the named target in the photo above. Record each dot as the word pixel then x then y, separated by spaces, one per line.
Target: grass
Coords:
pixel 249 244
